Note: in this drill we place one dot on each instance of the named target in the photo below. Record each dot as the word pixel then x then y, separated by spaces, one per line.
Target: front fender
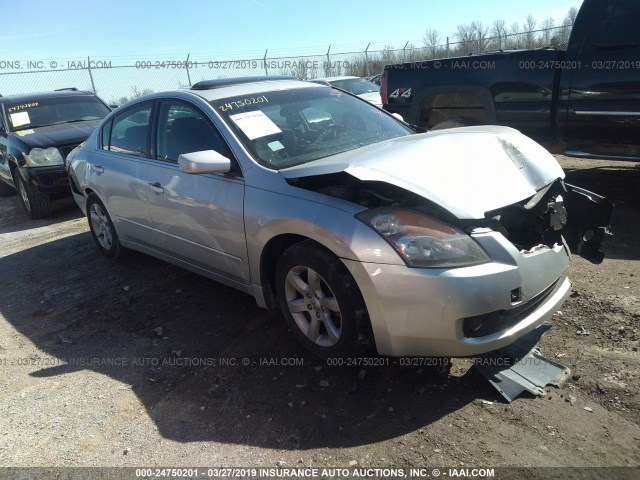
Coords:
pixel 269 214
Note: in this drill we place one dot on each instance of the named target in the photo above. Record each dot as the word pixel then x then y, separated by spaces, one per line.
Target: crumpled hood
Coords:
pixel 468 171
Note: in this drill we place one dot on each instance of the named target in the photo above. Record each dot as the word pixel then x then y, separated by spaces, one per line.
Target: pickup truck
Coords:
pixel 583 102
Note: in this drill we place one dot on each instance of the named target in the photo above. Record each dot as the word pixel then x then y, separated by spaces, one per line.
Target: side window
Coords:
pixel 129 131
pixel 106 136
pixel 618 26
pixel 183 129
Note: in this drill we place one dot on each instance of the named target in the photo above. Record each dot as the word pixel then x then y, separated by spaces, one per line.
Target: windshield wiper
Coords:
pixel 75 121
pixel 27 127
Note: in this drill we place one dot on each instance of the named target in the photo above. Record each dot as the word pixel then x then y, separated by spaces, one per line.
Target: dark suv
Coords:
pixel 37 132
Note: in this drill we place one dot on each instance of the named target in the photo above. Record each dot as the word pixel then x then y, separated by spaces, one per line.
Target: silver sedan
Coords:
pixel 364 232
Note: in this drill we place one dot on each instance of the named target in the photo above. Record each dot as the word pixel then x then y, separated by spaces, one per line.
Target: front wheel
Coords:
pixel 321 302
pixel 37 204
pixel 102 230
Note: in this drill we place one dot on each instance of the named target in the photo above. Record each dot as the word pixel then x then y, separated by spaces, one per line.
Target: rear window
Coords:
pixel 357 86
pixel 43 112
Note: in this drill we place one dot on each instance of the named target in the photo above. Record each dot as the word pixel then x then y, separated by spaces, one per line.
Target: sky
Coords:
pixel 46 35
pixel 44 29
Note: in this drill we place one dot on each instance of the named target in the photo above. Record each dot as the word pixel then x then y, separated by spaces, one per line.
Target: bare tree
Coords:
pixel 465 39
pixel 499 33
pixel 530 36
pixel 116 102
pixel 547 31
pixel 562 37
pixel 431 40
pixel 514 36
pixel 357 66
pixel 139 93
pixel 411 53
pixel 135 93
pixel 332 68
pixel 386 56
pixel 302 68
pixel 479 34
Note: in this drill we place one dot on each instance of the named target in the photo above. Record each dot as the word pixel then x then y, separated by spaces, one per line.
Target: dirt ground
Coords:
pixel 119 364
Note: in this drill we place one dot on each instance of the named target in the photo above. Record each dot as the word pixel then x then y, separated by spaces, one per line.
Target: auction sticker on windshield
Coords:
pixel 19 119
pixel 255 124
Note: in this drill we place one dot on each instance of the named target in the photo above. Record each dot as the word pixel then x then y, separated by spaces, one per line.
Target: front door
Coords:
pixel 198 218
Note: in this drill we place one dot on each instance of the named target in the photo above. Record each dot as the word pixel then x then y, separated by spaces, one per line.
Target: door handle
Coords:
pixel 98 168
pixel 156 187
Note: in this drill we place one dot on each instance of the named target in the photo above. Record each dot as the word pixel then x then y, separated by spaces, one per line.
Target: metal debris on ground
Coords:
pixel 521 366
pixel 582 331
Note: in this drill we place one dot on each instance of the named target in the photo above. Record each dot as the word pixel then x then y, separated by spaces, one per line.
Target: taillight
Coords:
pixel 383 88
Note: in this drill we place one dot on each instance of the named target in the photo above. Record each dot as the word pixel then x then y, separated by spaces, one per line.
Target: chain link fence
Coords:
pixel 117 79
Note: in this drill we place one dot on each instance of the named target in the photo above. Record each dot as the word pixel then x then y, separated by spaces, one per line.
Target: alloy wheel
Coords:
pixel 313 306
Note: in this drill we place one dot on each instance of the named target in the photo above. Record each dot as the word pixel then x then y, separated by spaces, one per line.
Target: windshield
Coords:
pixel 291 127
pixel 357 86
pixel 54 110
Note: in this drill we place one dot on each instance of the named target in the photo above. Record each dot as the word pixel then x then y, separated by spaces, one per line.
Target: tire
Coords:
pixel 102 229
pixel 6 190
pixel 37 204
pixel 321 302
pixel 454 123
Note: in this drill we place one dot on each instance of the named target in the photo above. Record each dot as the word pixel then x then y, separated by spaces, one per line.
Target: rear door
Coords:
pixel 603 111
pixel 117 172
pixel 198 218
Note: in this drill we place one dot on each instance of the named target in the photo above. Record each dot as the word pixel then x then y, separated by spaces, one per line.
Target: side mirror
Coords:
pixel 206 161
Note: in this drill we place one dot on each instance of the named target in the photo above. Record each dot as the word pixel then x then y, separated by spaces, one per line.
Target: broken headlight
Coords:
pixel 423 241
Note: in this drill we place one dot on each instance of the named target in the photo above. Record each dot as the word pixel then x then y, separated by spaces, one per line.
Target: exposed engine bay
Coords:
pixel 370 194
pixel 557 214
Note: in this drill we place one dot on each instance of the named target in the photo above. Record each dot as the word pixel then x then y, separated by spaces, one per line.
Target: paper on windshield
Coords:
pixel 255 124
pixel 19 119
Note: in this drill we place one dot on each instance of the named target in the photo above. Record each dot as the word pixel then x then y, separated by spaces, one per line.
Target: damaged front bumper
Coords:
pixel 460 312
pixel 464 311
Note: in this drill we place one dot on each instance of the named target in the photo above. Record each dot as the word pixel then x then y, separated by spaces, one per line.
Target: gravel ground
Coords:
pixel 139 363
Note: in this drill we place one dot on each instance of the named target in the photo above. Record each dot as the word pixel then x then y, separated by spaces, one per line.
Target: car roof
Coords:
pixel 248 86
pixel 331 79
pixel 40 95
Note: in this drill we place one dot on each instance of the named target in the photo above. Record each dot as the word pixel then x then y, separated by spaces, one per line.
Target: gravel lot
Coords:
pixel 118 364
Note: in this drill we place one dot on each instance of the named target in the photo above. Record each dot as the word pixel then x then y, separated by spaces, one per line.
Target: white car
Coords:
pixel 361 87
